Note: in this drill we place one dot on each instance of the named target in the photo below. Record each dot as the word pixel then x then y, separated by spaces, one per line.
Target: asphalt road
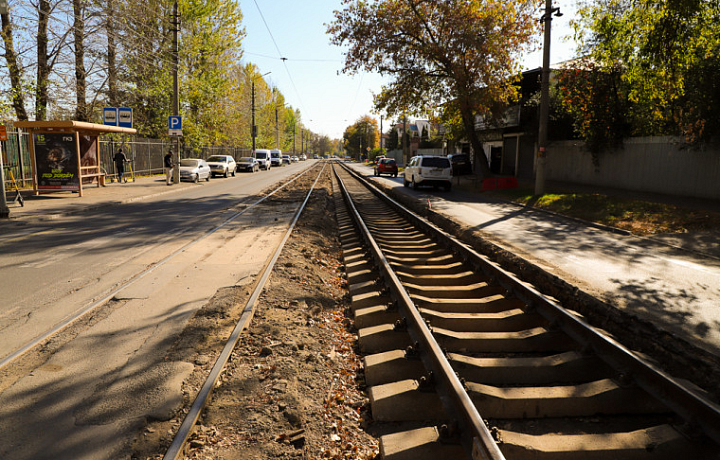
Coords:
pixel 89 397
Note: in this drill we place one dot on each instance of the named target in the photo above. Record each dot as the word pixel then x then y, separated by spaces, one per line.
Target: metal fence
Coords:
pixel 146 155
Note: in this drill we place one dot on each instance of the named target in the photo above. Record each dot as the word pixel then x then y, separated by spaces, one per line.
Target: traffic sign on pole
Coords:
pixel 125 117
pixel 175 126
pixel 110 116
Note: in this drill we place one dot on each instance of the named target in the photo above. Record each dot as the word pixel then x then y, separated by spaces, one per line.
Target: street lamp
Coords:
pixel 253 134
pixel 544 99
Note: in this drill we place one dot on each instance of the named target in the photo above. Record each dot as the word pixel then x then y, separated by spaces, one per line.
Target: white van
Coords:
pixel 263 158
pixel 276 157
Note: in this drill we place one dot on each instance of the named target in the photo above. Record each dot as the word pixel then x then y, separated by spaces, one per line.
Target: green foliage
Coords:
pixel 661 59
pixel 361 137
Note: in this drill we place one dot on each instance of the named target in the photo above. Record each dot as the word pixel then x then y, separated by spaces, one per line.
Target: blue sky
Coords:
pixel 310 80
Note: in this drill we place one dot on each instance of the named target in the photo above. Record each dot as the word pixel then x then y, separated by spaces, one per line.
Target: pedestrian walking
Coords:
pixel 120 160
pixel 168 167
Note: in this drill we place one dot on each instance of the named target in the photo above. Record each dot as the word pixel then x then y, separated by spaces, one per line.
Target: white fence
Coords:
pixel 651 164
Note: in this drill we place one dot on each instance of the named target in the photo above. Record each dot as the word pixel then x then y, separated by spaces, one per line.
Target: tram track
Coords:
pixel 501 370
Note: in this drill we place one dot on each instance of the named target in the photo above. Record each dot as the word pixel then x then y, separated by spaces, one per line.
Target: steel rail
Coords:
pixel 455 399
pixel 693 407
pixel 193 415
pixel 69 320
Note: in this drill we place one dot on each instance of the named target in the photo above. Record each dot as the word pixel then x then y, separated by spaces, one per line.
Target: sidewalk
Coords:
pixel 49 206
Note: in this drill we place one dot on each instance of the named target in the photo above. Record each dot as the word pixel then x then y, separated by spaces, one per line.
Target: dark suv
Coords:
pixel 386 166
pixel 460 164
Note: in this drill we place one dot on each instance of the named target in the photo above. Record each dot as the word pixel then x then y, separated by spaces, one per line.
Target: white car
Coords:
pixel 294 159
pixel 222 165
pixel 194 169
pixel 428 170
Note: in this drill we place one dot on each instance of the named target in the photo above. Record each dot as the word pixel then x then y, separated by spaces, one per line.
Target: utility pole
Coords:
pixel 544 99
pixel 381 134
pixel 254 128
pixel 176 89
pixel 4 210
pixel 253 133
pixel 294 132
pixel 277 129
pixel 406 158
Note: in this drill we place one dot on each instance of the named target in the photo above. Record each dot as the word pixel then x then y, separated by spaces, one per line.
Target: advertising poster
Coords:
pixel 56 161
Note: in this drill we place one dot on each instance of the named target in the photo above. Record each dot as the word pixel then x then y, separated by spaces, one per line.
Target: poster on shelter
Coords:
pixel 56 162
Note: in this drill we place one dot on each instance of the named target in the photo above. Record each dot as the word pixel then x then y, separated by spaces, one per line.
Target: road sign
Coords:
pixel 125 117
pixel 175 126
pixel 110 116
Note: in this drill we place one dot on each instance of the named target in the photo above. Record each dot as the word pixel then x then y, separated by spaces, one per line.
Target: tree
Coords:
pixel 13 64
pixel 362 136
pixel 665 56
pixel 463 53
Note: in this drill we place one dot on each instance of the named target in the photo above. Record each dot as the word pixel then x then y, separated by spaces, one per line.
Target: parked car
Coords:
pixel 222 165
pixel 428 170
pixel 276 157
pixel 248 164
pixel 294 159
pixel 263 158
pixel 378 158
pixel 386 166
pixel 194 169
pixel 286 159
pixel 303 157
pixel 460 164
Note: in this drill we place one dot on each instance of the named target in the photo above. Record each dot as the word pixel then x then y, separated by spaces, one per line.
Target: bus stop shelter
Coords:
pixel 65 154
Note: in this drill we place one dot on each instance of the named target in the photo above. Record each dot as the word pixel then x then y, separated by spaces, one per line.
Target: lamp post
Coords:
pixel 544 99
pixel 253 133
pixel 277 127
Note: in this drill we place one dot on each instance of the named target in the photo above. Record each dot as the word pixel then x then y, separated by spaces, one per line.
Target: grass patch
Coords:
pixel 638 217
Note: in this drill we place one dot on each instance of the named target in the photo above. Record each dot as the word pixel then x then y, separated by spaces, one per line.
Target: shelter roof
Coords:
pixel 72 125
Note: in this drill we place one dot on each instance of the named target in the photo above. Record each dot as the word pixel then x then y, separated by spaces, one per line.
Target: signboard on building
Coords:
pixel 56 161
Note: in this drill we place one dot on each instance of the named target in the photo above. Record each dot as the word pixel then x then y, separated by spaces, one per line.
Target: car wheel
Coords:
pixel 395 175
pixel 197 178
pixel 225 174
pixel 414 184
pixel 207 179
pixel 405 182
pixel 233 173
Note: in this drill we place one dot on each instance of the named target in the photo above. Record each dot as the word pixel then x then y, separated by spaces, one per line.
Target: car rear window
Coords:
pixel 432 162
pixel 246 160
pixel 217 159
pixel 188 162
pixel 388 161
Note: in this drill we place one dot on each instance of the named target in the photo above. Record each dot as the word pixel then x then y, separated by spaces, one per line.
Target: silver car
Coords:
pixel 222 165
pixel 194 169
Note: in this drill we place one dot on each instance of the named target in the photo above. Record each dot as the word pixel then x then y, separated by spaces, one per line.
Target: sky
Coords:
pixel 310 77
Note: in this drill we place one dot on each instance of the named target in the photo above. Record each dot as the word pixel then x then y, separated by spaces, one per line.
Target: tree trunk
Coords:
pixel 80 73
pixel 468 119
pixel 15 73
pixel 43 69
pixel 111 53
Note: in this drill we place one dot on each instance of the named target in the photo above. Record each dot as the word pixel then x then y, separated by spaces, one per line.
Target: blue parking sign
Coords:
pixel 175 122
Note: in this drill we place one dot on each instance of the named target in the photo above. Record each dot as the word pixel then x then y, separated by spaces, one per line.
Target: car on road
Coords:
pixel 303 157
pixel 386 166
pixel 460 164
pixel 194 169
pixel 286 159
pixel 222 165
pixel 276 157
pixel 263 158
pixel 428 170
pixel 247 164
pixel 294 159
